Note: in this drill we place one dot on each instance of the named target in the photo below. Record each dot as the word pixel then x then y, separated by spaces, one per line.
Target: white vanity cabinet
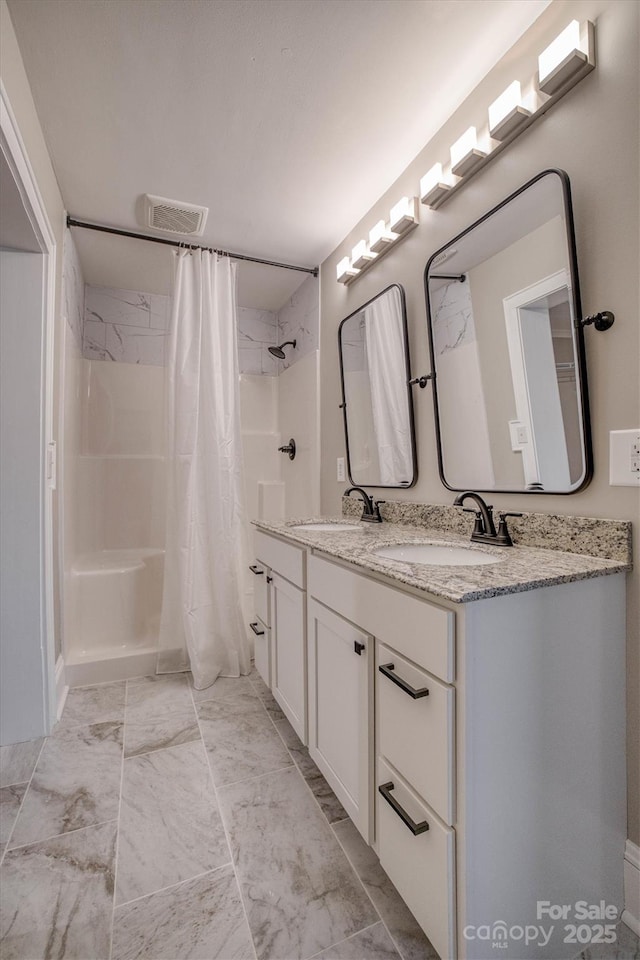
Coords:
pixel 340 657
pixel 287 620
pixel 479 747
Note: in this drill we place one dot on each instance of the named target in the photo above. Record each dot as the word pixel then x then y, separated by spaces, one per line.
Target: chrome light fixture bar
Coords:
pixel 561 65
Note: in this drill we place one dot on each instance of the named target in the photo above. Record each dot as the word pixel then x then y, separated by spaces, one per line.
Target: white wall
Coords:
pixel 22 655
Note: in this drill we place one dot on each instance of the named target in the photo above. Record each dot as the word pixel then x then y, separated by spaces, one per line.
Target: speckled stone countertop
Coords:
pixel 517 568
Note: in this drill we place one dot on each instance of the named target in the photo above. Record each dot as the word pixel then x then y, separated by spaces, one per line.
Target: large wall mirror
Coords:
pixel 507 348
pixel 376 395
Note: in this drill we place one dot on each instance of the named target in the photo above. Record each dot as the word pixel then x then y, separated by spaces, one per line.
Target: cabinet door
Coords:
pixel 288 652
pixel 340 692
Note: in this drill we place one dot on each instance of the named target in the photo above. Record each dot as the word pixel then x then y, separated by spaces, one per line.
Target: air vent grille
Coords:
pixel 172 216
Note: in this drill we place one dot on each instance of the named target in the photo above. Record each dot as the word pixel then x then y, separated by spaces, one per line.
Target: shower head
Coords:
pixel 279 351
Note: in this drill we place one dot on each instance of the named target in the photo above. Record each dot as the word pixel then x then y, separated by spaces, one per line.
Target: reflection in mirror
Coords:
pixel 376 396
pixel 507 353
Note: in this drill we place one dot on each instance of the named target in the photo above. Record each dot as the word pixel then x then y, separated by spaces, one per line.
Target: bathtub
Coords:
pixel 115 598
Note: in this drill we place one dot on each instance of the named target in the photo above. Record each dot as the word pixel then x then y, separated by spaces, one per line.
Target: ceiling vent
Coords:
pixel 172 216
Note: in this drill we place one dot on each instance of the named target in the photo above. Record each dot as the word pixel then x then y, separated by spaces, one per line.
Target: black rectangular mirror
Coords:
pixel 376 395
pixel 507 348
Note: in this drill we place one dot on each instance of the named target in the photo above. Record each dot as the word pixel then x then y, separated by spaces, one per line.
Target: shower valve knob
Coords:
pixel 289 448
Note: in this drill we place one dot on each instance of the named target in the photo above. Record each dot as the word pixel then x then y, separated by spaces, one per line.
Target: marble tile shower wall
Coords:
pixel 125 325
pixel 72 292
pixel 131 326
pixel 299 320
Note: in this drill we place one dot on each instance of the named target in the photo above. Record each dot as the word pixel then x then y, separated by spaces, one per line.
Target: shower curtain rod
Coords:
pixel 72 222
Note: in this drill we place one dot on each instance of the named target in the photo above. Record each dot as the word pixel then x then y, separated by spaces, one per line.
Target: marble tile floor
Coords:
pixel 167 823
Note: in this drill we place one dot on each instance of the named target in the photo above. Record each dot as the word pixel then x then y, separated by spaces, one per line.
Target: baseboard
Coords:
pixel 631 914
pixel 62 688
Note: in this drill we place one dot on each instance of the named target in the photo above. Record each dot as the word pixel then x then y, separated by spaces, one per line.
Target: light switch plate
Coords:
pixel 624 458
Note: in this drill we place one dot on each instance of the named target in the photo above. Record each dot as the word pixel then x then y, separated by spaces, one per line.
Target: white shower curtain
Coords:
pixel 202 624
pixel 384 340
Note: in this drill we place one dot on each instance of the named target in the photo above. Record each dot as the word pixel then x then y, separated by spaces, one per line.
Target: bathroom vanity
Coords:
pixel 469 718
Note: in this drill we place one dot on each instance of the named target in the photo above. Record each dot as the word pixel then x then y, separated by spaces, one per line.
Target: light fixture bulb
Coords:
pixel 403 215
pixel 433 186
pixel 507 113
pixel 380 237
pixel 345 271
pixel 361 256
pixel 465 154
pixel 563 45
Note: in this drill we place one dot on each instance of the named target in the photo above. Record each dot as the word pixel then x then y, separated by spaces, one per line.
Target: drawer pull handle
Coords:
pixel 256 630
pixel 387 669
pixel 256 569
pixel 416 828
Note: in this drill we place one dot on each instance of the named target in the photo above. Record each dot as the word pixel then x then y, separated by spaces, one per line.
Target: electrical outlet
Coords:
pixel 340 474
pixel 624 458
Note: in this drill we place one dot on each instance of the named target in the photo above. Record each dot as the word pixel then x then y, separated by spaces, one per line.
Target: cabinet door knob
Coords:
pixel 387 669
pixel 358 647
pixel 256 629
pixel 269 579
pixel 385 790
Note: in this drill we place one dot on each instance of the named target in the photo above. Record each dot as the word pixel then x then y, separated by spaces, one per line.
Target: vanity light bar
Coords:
pixel 403 218
pixel 562 64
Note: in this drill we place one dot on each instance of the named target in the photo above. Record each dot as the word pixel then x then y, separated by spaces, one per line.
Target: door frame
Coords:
pixel 18 160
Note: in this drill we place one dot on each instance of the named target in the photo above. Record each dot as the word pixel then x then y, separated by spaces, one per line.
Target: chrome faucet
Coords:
pixel 371 508
pixel 484 530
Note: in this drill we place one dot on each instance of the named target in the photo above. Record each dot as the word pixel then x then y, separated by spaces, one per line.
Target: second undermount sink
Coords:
pixel 438 554
pixel 328 527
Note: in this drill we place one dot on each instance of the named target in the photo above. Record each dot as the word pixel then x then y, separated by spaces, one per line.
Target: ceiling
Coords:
pixel 287 118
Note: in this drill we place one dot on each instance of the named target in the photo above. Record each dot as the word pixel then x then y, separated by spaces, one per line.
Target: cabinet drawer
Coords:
pixel 421 867
pixel 262 648
pixel 416 733
pixel 417 628
pixel 261 581
pixel 284 558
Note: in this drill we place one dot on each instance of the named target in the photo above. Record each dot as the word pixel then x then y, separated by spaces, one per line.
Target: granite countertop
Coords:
pixel 518 568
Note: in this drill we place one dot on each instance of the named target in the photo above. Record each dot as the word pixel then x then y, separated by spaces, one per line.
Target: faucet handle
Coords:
pixel 478 528
pixel 503 535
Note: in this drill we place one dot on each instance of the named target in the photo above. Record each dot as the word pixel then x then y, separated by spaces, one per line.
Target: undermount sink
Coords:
pixel 327 527
pixel 438 554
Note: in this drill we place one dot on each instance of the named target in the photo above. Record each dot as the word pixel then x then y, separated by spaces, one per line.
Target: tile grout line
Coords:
pixel 28 783
pixel 293 759
pixel 58 836
pixel 224 827
pixel 362 884
pixel 171 886
pixel 339 943
pixel 117 846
